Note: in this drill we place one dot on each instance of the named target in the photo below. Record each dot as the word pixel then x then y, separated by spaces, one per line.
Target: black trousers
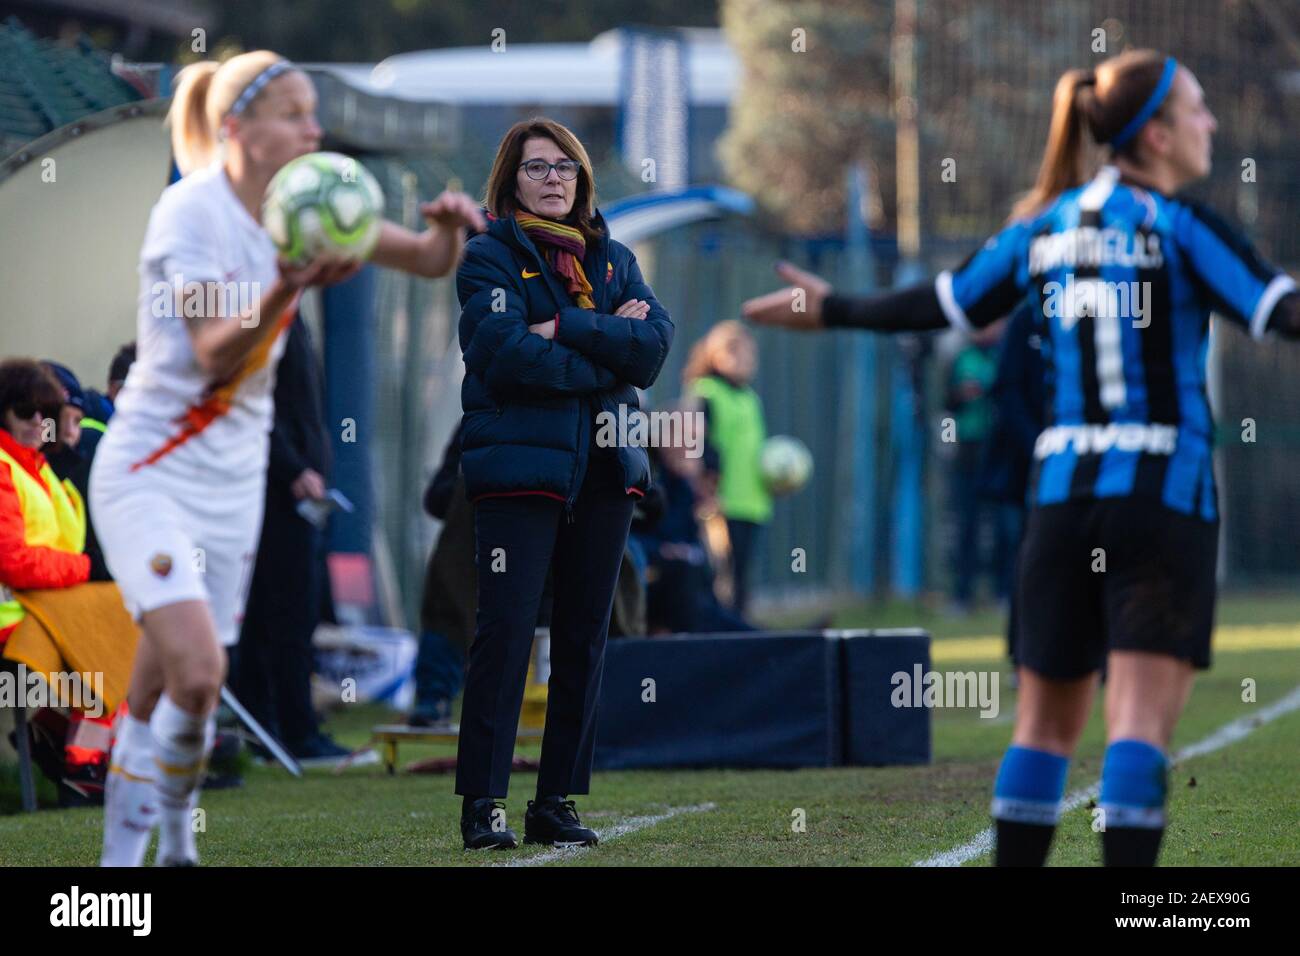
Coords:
pixel 271 671
pixel 518 539
pixel 744 539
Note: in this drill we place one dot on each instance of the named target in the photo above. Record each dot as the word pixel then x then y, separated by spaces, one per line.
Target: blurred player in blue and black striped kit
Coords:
pixel 1118 563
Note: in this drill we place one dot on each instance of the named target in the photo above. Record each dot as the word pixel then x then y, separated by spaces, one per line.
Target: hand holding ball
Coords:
pixel 323 204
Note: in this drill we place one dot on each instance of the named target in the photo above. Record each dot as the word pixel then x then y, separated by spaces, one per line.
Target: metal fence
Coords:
pixel 985 76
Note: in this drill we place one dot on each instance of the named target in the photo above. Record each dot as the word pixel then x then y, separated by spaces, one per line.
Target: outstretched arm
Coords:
pixel 1239 283
pixel 809 302
pixel 987 286
pixel 1285 319
pixel 434 252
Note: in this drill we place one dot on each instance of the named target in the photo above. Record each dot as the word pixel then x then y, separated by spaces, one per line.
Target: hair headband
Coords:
pixel 1149 107
pixel 257 84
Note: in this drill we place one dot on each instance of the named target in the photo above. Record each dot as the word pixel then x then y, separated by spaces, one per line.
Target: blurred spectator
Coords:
pixel 42 518
pixel 719 370
pixel 42 534
pixel 77 435
pixel 680 596
pixel 62 452
pixel 271 669
pixel 969 401
pixel 447 603
pixel 627 618
pixel 99 407
pixel 1020 401
pixel 118 369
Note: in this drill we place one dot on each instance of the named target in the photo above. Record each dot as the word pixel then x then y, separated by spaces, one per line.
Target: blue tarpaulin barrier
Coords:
pixel 876 732
pixel 724 700
pixel 785 699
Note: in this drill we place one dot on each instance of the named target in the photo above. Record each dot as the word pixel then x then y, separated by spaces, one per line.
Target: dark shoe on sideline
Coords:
pixel 553 821
pixel 477 827
pixel 318 751
pixel 437 714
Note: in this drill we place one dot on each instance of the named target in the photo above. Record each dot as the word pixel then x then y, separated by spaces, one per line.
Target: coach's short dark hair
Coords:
pixel 25 380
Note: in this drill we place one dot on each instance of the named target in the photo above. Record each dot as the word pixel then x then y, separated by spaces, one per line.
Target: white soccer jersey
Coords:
pixel 178 483
pixel 201 246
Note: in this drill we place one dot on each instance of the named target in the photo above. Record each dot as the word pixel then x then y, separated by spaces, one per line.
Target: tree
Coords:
pixel 814 98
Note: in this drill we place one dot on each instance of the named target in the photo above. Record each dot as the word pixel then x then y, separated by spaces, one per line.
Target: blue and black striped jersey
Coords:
pixel 1122 281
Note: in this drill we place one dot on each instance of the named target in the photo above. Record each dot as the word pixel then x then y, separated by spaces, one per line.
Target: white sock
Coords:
pixel 177 843
pixel 181 742
pixel 130 808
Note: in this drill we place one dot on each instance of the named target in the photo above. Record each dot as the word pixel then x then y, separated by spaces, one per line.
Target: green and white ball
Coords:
pixel 786 464
pixel 323 203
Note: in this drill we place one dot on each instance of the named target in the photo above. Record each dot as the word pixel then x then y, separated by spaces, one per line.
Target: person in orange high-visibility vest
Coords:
pixel 42 519
pixel 43 534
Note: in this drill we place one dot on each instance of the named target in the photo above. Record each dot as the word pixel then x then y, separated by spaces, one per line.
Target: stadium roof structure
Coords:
pixel 45 85
pixel 636 218
pixel 174 17
pixel 578 74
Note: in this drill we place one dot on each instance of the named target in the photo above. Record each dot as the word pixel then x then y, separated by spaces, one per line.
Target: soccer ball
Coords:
pixel 323 203
pixel 786 464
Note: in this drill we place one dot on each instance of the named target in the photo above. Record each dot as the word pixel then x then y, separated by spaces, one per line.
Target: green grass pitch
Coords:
pixel 1235 806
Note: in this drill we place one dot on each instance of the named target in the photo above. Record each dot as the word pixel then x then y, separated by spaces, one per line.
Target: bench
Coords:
pixel 389 736
pixel 23 743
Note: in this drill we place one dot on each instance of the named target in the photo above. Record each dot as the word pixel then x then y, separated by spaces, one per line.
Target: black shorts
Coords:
pixel 1155 594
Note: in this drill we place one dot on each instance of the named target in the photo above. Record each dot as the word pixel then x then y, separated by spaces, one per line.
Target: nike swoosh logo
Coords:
pixel 529 275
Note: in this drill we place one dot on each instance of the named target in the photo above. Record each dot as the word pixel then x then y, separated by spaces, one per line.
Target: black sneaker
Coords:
pixel 480 829
pixel 318 751
pixel 431 715
pixel 553 821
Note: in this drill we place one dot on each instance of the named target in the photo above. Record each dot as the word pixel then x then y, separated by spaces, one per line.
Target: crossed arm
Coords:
pixel 577 352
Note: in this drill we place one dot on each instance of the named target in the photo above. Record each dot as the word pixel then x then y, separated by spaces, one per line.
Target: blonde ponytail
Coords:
pixel 699 362
pixel 204 94
pixel 194 141
pixel 702 358
pixel 1065 160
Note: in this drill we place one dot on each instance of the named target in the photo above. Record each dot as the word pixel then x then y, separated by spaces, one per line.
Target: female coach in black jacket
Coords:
pixel 557 325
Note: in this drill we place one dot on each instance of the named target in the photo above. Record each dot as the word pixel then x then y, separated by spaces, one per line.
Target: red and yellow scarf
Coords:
pixel 563 246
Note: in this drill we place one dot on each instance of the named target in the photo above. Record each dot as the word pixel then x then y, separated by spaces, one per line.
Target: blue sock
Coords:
pixel 1133 791
pixel 1026 805
pixel 1030 785
pixel 1133 785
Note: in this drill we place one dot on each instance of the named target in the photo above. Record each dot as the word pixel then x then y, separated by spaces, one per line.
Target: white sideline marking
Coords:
pixel 1226 735
pixel 630 825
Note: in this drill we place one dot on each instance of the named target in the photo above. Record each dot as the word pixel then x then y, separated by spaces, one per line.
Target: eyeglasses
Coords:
pixel 539 169
pixel 24 410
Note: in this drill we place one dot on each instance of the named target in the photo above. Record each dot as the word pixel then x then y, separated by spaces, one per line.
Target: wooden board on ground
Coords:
pixel 388 736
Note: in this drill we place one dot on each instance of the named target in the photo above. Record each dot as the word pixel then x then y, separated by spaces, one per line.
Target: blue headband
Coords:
pixel 258 84
pixel 1149 107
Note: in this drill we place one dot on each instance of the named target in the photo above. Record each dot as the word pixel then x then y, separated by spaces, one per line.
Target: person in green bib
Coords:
pixel 718 372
